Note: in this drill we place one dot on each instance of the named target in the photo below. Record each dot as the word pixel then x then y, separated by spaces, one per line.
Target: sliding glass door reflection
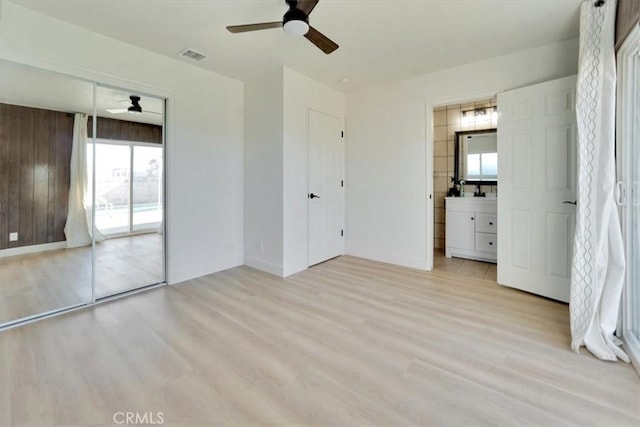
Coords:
pixel 147 188
pixel 129 188
pixel 112 188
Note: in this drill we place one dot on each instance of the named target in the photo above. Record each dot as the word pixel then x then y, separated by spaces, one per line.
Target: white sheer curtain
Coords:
pixel 598 263
pixel 79 216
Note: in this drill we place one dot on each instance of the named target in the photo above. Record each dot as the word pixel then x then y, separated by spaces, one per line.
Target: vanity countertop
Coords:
pixel 477 204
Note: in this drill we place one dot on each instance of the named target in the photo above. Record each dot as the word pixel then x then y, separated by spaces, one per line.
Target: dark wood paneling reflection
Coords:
pixel 125 131
pixel 35 152
pixel 5 122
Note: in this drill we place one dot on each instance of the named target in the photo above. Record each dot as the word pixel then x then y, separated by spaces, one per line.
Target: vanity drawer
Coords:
pixel 486 242
pixel 486 223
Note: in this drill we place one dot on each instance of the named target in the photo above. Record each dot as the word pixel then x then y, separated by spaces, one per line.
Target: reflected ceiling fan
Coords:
pixel 294 22
pixel 134 108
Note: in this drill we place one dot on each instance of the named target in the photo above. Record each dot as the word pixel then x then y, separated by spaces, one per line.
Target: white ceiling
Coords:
pixel 31 87
pixel 380 40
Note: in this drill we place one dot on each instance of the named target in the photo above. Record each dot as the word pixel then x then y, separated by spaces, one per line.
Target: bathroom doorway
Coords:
pixel 447 120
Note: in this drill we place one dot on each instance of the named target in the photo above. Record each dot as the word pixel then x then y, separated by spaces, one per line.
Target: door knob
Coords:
pixel 313 196
pixel 569 202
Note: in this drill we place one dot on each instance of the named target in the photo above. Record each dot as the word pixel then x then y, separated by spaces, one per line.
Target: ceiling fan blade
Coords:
pixel 254 27
pixel 307 5
pixel 151 112
pixel 117 110
pixel 321 41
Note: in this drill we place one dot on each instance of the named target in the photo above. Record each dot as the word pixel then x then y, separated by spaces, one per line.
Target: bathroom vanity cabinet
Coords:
pixel 472 228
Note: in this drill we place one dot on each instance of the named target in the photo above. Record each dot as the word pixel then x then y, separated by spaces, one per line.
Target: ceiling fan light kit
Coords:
pixel 295 22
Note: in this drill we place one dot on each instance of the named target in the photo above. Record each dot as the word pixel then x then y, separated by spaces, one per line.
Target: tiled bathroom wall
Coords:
pixel 447 121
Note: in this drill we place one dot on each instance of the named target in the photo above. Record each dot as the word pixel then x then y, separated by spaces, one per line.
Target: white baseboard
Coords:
pixel 264 266
pixel 632 348
pixel 175 277
pixel 390 258
pixel 474 255
pixel 32 249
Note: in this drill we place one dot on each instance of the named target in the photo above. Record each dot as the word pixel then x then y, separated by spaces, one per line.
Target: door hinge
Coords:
pixel 342 233
pixel 342 134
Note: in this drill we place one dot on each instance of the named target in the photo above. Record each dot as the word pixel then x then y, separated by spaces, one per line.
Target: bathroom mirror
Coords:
pixel 476 157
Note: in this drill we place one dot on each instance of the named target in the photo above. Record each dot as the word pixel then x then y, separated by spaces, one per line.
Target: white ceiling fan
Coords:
pixel 133 107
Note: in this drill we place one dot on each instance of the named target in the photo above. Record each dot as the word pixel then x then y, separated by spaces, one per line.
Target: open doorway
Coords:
pixel 450 121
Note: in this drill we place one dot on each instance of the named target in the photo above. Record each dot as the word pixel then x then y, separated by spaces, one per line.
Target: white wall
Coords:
pixel 388 129
pixel 300 95
pixel 263 192
pixel 204 130
pixel 276 167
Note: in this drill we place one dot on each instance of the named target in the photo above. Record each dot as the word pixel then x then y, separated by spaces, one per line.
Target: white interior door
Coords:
pixel 326 187
pixel 537 173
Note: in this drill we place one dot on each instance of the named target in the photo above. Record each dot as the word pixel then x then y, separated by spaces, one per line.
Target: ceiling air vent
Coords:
pixel 192 55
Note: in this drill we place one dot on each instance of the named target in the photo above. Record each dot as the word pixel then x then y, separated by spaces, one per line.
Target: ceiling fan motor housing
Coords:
pixel 295 22
pixel 135 104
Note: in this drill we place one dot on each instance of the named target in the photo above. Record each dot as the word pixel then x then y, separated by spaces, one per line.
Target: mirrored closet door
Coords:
pixel 81 192
pixel 43 119
pixel 129 199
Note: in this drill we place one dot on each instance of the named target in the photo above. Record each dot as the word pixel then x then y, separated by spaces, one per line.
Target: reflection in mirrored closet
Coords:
pixel 38 273
pixel 61 244
pixel 129 188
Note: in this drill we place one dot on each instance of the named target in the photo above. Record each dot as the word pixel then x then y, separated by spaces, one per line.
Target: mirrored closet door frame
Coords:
pixel 95 299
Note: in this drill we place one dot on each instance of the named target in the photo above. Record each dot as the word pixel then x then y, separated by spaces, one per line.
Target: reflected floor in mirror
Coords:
pixel 128 262
pixel 36 283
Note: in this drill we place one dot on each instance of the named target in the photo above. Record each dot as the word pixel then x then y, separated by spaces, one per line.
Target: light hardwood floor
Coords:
pixel 464 267
pixel 347 343
pixel 40 282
